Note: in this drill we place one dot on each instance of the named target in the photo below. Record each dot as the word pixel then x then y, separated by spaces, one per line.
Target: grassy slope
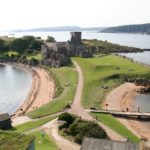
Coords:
pixel 35 56
pixel 9 53
pixel 14 141
pixel 115 125
pixel 67 77
pixel 45 143
pixel 32 124
pixel 95 71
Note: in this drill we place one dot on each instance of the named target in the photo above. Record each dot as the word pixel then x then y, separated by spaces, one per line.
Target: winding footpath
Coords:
pixel 80 111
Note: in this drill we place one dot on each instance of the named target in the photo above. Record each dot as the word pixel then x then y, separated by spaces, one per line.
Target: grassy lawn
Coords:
pixel 66 79
pixel 45 143
pixel 33 124
pixel 115 125
pixel 14 141
pixel 97 72
pixel 35 56
pixel 9 53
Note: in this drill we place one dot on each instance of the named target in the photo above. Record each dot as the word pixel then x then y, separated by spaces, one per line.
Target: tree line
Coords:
pixel 23 43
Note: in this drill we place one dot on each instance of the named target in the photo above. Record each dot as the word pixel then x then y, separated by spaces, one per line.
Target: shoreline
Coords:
pixel 122 98
pixel 41 90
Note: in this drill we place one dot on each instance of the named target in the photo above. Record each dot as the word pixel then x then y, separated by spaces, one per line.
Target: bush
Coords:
pixel 68 118
pixel 81 128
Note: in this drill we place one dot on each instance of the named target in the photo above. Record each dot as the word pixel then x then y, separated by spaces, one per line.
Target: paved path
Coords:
pixel 51 129
pixel 20 120
pixel 79 110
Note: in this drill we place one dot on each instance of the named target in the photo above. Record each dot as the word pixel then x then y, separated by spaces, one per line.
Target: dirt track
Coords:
pixel 79 110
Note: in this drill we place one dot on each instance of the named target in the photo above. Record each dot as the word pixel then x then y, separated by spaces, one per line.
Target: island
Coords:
pixel 136 29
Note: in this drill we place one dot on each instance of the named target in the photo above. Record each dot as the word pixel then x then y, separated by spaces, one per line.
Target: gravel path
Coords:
pixel 79 110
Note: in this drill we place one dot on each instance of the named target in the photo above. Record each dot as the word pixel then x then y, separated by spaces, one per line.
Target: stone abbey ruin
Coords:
pixel 58 54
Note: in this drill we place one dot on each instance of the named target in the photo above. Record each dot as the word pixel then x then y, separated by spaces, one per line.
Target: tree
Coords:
pixel 29 38
pixel 68 118
pixel 19 44
pixel 35 44
pixel 50 39
pixel 2 44
pixel 82 128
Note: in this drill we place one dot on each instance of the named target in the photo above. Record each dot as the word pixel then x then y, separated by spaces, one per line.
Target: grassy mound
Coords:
pixel 15 141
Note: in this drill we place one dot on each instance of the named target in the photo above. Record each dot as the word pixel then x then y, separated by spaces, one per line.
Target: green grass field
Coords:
pixel 35 56
pixel 32 124
pixel 43 143
pixel 9 53
pixel 115 125
pixel 97 71
pixel 14 141
pixel 66 79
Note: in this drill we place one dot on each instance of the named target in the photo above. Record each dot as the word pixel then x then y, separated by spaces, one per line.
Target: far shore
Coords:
pixel 41 91
pixel 122 98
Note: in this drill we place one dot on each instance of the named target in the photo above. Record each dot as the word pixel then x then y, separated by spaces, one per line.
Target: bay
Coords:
pixel 15 85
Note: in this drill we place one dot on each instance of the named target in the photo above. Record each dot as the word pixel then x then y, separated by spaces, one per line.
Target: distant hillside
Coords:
pixel 140 29
pixel 63 28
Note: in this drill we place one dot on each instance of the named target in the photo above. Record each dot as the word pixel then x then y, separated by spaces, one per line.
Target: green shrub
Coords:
pixel 81 128
pixel 68 118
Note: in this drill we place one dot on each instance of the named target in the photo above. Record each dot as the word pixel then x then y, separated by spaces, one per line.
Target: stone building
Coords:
pixel 5 121
pixel 57 54
pixel 101 144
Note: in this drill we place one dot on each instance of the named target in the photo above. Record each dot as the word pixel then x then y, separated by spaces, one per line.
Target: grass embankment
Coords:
pixel 10 53
pixel 14 141
pixel 37 56
pixel 43 143
pixel 66 82
pixel 100 72
pixel 32 124
pixel 115 125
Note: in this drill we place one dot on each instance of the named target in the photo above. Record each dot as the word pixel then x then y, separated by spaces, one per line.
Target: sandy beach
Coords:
pixel 121 98
pixel 41 92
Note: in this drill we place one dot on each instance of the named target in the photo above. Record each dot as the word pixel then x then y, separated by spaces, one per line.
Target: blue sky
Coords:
pixel 23 14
